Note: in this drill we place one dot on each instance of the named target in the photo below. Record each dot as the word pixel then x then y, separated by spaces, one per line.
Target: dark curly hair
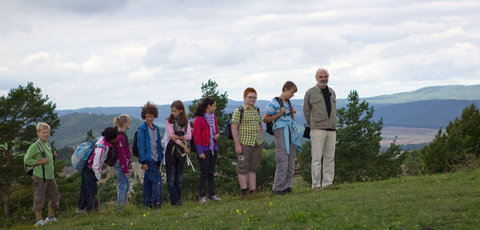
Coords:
pixel 149 108
pixel 202 106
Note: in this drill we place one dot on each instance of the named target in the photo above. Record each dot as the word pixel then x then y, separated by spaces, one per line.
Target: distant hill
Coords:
pixel 430 107
pixel 451 92
pixel 74 127
pixel 422 114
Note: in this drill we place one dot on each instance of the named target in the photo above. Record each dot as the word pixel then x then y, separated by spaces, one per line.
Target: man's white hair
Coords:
pixel 321 70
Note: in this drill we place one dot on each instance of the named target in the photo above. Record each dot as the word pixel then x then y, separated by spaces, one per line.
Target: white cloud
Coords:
pixel 76 51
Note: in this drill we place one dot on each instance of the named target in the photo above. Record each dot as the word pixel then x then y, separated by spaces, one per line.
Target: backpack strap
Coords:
pixel 291 109
pixel 43 156
pixel 241 113
pixel 280 102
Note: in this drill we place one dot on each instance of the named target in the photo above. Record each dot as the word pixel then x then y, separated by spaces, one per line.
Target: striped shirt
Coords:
pixel 249 126
pixel 274 107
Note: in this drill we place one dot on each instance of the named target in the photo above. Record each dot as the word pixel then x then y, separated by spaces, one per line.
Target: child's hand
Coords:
pixel 42 161
pixel 145 167
pixel 238 149
pixel 187 150
pixel 202 156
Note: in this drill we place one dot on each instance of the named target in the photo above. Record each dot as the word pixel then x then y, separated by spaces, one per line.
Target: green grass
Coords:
pixel 443 201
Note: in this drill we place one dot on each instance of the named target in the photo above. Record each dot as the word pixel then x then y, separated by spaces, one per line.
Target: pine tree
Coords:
pixel 357 156
pixel 20 111
pixel 452 147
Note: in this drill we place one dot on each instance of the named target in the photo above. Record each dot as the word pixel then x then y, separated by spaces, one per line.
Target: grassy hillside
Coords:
pixel 444 201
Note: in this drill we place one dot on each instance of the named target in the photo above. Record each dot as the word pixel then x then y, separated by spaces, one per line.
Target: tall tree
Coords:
pixel 209 89
pixel 452 146
pixel 357 155
pixel 20 111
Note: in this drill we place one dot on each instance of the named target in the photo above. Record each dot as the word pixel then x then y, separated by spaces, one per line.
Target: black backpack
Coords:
pixel 270 124
pixel 112 156
pixel 134 145
pixel 228 125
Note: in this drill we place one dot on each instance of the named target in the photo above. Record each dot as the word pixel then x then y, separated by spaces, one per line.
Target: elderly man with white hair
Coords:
pixel 321 115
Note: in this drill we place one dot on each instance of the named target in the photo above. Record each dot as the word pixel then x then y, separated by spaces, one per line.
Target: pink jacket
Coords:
pixel 123 149
pixel 169 127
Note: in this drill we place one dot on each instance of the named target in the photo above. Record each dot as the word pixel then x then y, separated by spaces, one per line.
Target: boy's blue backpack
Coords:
pixel 83 153
pixel 228 126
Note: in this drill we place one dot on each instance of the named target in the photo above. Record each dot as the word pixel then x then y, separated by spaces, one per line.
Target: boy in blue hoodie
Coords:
pixel 150 153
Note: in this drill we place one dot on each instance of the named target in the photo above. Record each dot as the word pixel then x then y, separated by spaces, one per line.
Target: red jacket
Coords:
pixel 201 131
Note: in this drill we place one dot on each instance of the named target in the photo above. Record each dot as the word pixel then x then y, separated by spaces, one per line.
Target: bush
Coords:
pixel 413 163
pixel 304 159
pixel 451 147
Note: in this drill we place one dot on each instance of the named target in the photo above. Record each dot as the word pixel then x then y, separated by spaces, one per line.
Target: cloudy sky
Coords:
pixel 126 52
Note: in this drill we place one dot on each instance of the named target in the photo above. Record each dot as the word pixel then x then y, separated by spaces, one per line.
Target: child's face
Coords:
pixel 250 99
pixel 149 118
pixel 43 134
pixel 176 112
pixel 290 93
pixel 114 140
pixel 211 108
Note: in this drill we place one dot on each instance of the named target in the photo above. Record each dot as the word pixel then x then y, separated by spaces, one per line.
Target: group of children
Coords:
pixel 247 130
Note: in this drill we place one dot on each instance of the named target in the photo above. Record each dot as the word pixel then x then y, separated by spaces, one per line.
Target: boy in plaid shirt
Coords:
pixel 247 131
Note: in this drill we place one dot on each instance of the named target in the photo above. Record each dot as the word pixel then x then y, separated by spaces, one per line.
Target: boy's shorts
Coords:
pixel 49 188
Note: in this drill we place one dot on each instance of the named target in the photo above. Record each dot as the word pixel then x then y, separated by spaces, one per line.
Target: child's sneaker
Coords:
pixel 50 219
pixel 203 199
pixel 215 198
pixel 40 223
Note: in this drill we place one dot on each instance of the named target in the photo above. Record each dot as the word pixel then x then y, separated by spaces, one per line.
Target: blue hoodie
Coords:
pixel 143 144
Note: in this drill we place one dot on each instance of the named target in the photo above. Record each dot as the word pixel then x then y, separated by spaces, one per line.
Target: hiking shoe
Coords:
pixel 288 190
pixel 80 211
pixel 243 196
pixel 40 222
pixel 278 193
pixel 203 199
pixel 157 206
pixel 317 189
pixel 331 186
pixel 50 219
pixel 215 198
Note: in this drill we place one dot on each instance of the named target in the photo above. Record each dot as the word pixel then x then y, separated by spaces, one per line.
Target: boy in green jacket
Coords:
pixel 43 175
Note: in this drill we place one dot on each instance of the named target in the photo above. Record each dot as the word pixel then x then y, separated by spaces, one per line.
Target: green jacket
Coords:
pixel 33 155
pixel 315 110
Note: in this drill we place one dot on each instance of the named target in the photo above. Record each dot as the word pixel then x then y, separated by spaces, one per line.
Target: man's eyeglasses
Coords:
pixel 252 97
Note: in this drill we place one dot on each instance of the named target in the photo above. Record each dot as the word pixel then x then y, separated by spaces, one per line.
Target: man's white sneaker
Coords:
pixel 203 199
pixel 50 220
pixel 40 223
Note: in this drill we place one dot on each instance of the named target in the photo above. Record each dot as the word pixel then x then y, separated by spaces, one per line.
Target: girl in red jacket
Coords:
pixel 206 135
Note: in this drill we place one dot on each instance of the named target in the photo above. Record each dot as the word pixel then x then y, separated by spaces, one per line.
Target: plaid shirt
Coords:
pixel 249 127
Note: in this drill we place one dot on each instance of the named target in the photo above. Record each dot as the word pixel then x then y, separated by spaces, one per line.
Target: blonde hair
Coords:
pixel 121 120
pixel 42 126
